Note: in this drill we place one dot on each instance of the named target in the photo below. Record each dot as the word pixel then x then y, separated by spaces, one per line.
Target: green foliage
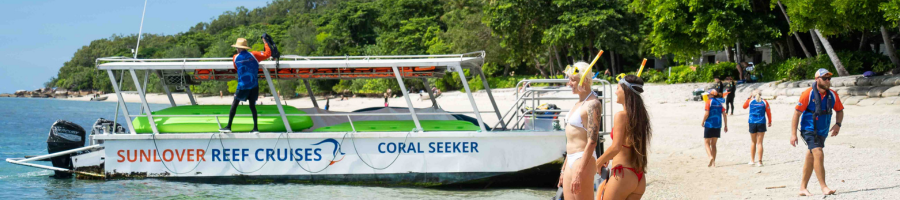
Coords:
pixel 685 28
pixel 856 62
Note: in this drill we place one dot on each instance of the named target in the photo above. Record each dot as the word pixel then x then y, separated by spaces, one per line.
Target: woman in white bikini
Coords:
pixel 577 175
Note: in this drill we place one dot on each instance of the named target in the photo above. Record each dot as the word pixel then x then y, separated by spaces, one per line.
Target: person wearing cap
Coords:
pixel 712 124
pixel 247 65
pixel 814 115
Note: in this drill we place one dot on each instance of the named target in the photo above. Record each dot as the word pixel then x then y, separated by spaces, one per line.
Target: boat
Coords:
pixel 393 146
pixel 99 98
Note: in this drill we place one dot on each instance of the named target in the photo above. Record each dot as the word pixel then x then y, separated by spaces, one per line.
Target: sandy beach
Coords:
pixel 862 162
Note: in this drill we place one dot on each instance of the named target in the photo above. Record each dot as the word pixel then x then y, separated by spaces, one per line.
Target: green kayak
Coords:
pixel 188 124
pixel 401 126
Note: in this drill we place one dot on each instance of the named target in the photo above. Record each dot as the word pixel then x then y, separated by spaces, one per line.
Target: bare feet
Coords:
pixel 712 163
pixel 804 192
pixel 828 191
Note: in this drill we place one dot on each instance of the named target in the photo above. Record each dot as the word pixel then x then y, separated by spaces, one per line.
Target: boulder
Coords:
pixel 841 91
pixel 892 92
pixel 781 92
pixel 887 101
pixel 868 101
pixel 795 91
pixel 853 100
pixel 891 81
pixel 859 90
pixel 877 91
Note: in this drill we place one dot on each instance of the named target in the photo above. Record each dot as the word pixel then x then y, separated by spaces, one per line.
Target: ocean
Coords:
pixel 25 123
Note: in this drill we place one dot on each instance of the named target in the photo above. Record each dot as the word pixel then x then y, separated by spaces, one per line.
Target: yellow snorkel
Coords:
pixel 640 71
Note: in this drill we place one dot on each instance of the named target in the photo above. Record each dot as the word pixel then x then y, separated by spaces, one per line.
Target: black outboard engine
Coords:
pixel 64 135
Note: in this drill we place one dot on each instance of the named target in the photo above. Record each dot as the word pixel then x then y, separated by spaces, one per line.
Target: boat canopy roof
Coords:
pixel 466 60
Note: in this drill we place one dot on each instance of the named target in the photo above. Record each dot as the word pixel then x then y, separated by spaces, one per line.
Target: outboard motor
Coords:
pixel 64 135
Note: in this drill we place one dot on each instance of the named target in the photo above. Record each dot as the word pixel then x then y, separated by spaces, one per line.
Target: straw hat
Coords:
pixel 241 43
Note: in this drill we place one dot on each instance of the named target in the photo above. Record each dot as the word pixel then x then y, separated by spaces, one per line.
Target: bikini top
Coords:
pixel 576 122
pixel 611 137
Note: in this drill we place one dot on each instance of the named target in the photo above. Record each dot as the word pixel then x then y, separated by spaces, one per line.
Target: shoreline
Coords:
pixel 677 160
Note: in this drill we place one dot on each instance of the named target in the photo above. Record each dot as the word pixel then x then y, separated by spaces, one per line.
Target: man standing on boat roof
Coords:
pixel 247 65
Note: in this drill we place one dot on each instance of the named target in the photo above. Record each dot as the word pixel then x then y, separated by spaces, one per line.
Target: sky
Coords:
pixel 38 36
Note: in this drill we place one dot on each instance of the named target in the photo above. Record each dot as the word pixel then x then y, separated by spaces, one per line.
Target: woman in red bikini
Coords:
pixel 630 143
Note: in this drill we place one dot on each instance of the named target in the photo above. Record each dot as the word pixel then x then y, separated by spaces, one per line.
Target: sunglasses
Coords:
pixel 825 78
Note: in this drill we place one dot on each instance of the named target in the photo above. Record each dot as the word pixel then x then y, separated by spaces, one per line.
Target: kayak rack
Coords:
pixel 403 66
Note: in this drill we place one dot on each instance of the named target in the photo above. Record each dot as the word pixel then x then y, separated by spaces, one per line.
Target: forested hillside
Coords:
pixel 522 38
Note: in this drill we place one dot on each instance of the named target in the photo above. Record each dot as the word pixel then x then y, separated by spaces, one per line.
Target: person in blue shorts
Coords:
pixel 712 124
pixel 817 105
pixel 759 112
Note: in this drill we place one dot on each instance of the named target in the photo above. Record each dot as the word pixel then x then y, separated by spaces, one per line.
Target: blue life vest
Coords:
pixel 817 115
pixel 247 70
pixel 757 112
pixel 715 113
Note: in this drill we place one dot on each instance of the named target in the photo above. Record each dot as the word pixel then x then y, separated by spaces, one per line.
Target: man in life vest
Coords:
pixel 817 105
pixel 247 65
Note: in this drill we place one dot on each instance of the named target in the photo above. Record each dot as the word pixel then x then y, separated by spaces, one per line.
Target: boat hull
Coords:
pixel 395 158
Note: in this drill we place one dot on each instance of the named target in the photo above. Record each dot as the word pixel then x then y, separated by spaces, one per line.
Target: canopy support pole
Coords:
pixel 310 93
pixel 287 125
pixel 112 78
pixel 487 88
pixel 166 89
pixel 146 76
pixel 430 93
pixel 144 101
pixel 406 96
pixel 465 83
pixel 190 95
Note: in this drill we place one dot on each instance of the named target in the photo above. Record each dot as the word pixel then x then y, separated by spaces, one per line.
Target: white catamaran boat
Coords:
pixel 385 146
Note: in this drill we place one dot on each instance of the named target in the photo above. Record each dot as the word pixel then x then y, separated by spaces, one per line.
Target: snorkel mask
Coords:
pixel 582 68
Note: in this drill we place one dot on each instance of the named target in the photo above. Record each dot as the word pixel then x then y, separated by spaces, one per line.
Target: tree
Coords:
pixel 686 28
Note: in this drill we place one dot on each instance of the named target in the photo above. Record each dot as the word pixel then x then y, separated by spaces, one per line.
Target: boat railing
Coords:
pixel 526 94
pixel 452 63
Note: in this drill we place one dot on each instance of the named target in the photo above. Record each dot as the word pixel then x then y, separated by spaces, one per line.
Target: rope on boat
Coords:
pixel 158 153
pixel 329 163
pixel 257 169
pixel 376 168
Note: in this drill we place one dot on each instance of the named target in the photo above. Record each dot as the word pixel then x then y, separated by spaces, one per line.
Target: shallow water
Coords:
pixel 24 125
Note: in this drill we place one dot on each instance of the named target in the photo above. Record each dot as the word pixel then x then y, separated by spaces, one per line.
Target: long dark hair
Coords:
pixel 639 128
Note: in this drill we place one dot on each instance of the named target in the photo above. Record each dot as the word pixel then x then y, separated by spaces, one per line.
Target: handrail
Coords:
pixel 530 94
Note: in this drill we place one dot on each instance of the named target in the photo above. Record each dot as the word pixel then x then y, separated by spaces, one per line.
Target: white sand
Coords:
pixel 863 162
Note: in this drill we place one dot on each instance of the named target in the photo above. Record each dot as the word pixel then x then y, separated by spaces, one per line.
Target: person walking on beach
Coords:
pixel 730 89
pixel 582 132
pixel 387 94
pixel 759 112
pixel 247 65
pixel 814 115
pixel 630 146
pixel 712 124
pixel 717 84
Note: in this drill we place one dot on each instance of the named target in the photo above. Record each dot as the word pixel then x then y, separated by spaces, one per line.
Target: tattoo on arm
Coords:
pixel 592 126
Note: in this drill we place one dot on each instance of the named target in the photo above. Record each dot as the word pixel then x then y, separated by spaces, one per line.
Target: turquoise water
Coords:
pixel 24 125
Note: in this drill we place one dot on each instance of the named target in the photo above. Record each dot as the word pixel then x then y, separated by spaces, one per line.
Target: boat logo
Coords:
pixel 337 149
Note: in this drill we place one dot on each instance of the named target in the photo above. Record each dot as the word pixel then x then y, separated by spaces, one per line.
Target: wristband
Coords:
pixel 838 124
